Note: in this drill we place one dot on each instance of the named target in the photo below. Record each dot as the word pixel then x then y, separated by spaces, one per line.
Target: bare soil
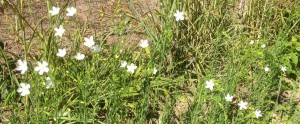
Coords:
pixel 99 16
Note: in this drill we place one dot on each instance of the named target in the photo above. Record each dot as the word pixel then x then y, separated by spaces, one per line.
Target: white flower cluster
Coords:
pixel 242 104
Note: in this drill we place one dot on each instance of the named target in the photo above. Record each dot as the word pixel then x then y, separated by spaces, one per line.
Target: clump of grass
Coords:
pixel 214 43
pixel 212 52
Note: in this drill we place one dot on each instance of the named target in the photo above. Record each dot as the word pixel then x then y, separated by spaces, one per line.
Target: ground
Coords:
pixel 100 16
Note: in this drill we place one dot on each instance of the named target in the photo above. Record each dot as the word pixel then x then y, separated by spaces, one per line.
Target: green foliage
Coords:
pixel 212 42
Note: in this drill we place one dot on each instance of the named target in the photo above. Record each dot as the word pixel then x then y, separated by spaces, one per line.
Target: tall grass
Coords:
pixel 211 43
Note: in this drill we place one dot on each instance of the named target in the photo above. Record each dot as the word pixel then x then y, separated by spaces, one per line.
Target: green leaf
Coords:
pixel 148 52
pixel 294 39
pixel 294 58
pixel 138 71
pixel 298 48
pixel 225 34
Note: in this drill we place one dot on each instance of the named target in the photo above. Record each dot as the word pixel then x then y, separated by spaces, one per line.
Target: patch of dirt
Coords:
pixel 182 105
pixel 100 17
pixel 291 95
pixel 6 112
pixel 184 102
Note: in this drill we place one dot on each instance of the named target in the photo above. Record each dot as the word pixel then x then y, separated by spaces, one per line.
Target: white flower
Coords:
pixel 54 10
pixel 71 11
pixel 79 56
pixel 251 42
pixel 242 105
pixel 22 66
pixel 210 84
pixel 283 68
pixel 61 52
pixel 49 83
pixel 267 69
pixel 123 64
pixel 154 70
pixel 228 98
pixel 144 43
pixel 89 42
pixel 59 31
pixel 179 16
pixel 42 67
pixel 263 46
pixel 96 48
pixel 131 68
pixel 258 114
pixel 24 89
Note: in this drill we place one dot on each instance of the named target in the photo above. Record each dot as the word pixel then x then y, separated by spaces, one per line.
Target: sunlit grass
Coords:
pixel 198 62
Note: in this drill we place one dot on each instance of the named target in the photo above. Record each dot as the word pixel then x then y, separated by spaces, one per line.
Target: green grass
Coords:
pixel 211 43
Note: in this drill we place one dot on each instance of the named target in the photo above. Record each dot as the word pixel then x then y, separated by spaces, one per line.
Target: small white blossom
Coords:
pixel 258 114
pixel 79 56
pixel 61 52
pixel 263 46
pixel 267 69
pixel 42 67
pixel 144 43
pixel 251 42
pixel 54 10
pixel 89 42
pixel 59 31
pixel 123 64
pixel 71 11
pixel 131 68
pixel 228 98
pixel 22 66
pixel 96 48
pixel 210 84
pixel 154 70
pixel 179 16
pixel 283 68
pixel 24 89
pixel 242 105
pixel 49 83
